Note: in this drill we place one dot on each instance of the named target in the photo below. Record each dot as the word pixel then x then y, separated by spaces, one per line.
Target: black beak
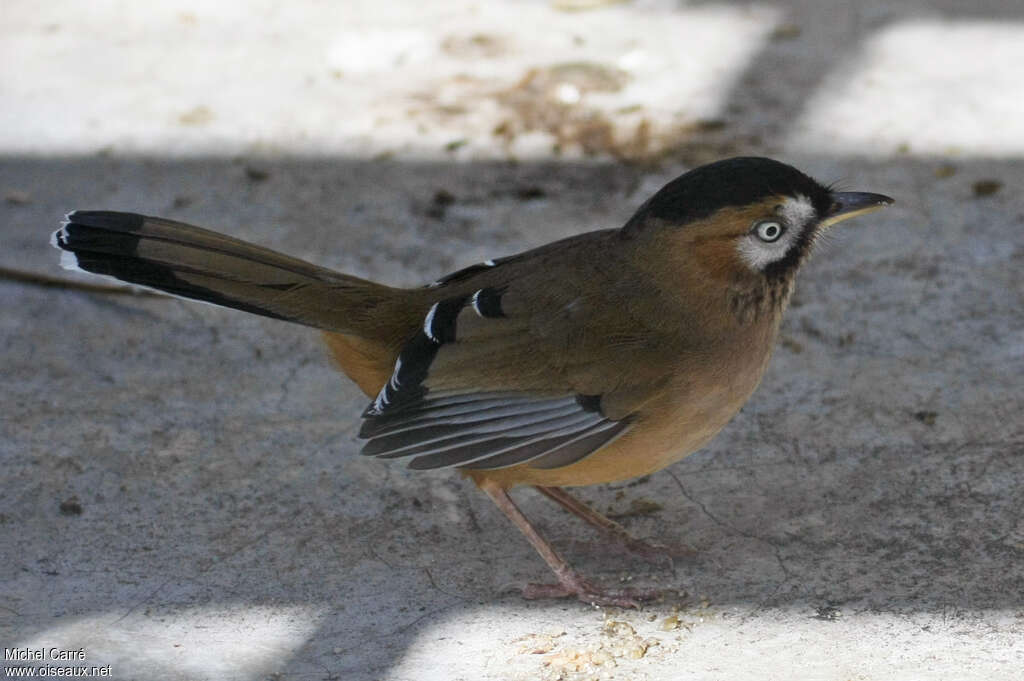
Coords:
pixel 846 205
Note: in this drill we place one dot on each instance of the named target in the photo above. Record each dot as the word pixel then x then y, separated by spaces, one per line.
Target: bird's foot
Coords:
pixel 574 585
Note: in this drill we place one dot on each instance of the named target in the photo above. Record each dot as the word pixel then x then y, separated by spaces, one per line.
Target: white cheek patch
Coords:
pixel 794 214
pixel 797 211
pixel 758 254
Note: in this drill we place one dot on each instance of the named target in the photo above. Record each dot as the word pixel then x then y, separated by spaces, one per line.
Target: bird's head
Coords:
pixel 746 222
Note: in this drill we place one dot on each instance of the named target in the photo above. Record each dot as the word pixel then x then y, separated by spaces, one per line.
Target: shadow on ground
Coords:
pixel 163 459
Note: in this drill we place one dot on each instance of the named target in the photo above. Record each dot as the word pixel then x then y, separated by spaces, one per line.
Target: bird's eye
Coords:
pixel 769 231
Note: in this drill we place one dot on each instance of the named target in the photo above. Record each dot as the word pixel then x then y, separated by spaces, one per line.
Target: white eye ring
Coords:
pixel 769 231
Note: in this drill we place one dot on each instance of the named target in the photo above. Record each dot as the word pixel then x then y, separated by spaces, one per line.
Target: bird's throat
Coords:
pixel 765 299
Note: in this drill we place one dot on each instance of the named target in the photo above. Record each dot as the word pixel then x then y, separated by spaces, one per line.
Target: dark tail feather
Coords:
pixel 196 263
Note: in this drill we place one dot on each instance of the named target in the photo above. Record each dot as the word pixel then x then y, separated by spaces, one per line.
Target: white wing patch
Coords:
pixel 428 324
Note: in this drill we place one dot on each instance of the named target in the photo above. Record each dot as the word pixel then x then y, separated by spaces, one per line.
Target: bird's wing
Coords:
pixel 515 372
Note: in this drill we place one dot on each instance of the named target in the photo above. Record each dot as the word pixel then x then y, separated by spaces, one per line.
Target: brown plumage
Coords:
pixel 597 358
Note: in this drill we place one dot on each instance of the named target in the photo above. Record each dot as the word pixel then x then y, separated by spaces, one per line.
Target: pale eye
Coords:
pixel 769 231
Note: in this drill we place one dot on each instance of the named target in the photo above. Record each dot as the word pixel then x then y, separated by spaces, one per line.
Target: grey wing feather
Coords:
pixel 561 451
pixel 440 435
pixel 489 430
pixel 458 409
pixel 581 446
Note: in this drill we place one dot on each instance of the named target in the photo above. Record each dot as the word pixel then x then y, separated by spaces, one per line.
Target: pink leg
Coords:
pixel 649 551
pixel 570 582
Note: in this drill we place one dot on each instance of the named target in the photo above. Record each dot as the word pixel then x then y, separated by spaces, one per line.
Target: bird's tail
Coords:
pixel 196 263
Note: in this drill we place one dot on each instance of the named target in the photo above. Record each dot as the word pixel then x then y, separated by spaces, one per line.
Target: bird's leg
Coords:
pixel 647 550
pixel 570 582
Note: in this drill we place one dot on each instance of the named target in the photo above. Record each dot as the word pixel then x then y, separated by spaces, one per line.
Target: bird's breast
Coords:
pixel 701 395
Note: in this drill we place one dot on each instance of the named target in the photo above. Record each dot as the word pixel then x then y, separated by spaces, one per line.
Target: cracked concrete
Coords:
pixel 183 497
pixel 786 572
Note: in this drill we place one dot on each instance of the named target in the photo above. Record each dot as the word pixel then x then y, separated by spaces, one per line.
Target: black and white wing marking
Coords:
pixel 480 430
pixel 413 364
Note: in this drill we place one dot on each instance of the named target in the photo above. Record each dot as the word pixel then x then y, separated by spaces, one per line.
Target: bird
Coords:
pixel 593 359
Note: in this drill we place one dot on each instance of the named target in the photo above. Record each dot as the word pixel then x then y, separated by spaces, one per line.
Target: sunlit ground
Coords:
pixel 949 90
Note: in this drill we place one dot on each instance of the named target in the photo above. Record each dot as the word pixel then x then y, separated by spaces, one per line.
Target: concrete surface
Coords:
pixel 182 495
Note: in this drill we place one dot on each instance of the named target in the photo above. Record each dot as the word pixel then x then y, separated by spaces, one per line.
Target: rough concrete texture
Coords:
pixel 182 493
